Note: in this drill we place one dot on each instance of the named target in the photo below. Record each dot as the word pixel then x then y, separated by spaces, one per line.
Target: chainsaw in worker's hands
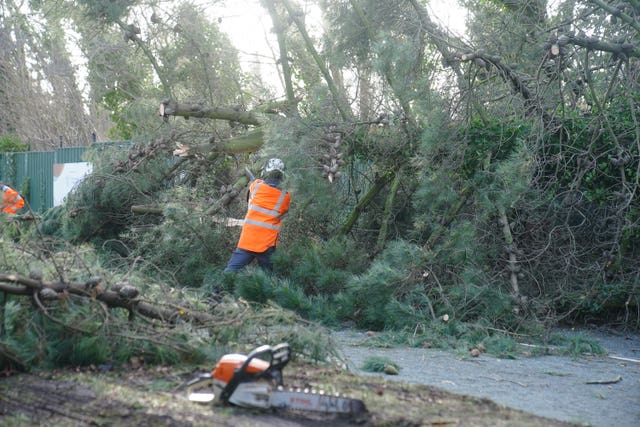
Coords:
pixel 255 381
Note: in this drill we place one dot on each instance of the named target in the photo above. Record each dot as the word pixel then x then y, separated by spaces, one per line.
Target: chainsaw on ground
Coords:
pixel 255 381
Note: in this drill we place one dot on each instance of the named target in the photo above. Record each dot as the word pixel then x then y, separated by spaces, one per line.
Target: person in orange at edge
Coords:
pixel 11 200
pixel 267 204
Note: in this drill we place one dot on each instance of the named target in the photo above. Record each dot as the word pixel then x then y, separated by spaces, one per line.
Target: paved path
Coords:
pixel 550 386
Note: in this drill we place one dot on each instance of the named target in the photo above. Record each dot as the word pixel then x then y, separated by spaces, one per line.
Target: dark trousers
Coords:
pixel 241 258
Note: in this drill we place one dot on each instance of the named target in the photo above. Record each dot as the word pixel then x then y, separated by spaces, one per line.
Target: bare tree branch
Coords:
pixel 124 296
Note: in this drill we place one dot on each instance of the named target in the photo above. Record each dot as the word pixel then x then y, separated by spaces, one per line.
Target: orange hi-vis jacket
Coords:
pixel 267 206
pixel 11 200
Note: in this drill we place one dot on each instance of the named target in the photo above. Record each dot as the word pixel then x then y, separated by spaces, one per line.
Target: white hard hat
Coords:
pixel 274 164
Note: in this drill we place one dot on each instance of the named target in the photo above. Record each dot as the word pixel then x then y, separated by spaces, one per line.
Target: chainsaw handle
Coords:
pixel 280 355
pixel 279 358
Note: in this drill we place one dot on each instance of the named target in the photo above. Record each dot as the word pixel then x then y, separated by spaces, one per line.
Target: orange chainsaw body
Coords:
pixel 228 364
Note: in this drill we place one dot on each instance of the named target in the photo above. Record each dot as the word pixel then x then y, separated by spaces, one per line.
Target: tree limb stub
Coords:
pixel 21 285
pixel 169 107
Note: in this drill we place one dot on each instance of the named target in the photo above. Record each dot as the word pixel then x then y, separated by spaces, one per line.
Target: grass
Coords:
pixel 580 345
pixel 380 364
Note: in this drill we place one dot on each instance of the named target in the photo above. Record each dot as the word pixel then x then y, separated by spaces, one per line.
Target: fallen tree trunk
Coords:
pixel 170 107
pixel 121 295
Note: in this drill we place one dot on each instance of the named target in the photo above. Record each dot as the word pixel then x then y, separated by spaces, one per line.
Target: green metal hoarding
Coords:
pixel 32 172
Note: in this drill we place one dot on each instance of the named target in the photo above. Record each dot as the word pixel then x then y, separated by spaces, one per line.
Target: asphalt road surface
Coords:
pixel 598 391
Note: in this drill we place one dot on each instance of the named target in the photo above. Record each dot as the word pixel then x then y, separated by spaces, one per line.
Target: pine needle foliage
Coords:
pixel 293 298
pixel 475 300
pixel 78 350
pixel 502 346
pixel 369 293
pixel 181 245
pixel 99 208
pixel 320 267
pixel 77 334
pixel 324 309
pixel 408 313
pixel 378 364
pixel 10 142
pixel 255 286
pixel 13 349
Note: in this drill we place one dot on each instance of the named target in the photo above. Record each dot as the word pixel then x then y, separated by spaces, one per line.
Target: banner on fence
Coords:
pixel 65 177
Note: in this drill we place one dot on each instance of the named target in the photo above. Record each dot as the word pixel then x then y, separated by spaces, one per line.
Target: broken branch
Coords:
pixel 613 381
pixel 20 285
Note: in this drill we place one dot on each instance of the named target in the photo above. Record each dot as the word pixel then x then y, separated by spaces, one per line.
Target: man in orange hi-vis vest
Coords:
pixel 11 200
pixel 267 204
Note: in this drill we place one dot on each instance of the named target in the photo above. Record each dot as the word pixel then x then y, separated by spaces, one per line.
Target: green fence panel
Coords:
pixel 35 182
pixel 69 155
pixel 31 173
pixel 9 169
pixel 17 171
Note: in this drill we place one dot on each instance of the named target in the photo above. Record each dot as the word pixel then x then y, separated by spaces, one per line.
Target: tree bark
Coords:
pixel 247 143
pixel 388 210
pixel 240 184
pixel 508 238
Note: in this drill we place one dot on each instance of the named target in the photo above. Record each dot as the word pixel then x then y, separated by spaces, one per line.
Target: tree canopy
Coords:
pixel 491 180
